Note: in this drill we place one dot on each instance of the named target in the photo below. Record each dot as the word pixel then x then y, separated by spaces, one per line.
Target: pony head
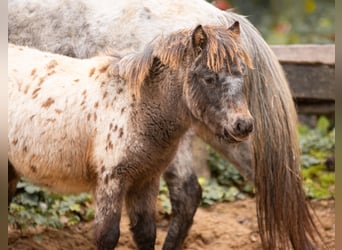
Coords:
pixel 214 90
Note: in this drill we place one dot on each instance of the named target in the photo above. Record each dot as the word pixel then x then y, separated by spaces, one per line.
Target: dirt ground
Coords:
pixel 223 226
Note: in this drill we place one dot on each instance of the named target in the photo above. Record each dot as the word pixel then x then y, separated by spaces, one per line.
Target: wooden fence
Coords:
pixel 310 70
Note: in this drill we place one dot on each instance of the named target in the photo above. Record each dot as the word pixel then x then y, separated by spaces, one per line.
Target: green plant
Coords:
pixel 35 206
pixel 317 146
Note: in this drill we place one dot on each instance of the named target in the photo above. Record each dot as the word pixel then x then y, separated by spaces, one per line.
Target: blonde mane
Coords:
pixel 224 49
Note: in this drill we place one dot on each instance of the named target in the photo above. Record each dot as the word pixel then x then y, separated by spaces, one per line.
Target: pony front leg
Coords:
pixel 141 207
pixel 109 198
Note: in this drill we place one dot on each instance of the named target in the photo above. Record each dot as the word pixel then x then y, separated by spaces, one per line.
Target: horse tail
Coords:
pixel 284 216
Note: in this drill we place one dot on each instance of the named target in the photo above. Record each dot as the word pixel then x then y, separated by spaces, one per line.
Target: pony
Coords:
pixel 112 124
pixel 270 158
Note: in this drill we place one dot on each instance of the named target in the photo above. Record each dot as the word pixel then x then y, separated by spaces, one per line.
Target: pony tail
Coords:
pixel 284 216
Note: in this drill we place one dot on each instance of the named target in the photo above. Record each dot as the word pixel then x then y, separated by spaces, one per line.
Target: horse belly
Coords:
pixel 49 154
pixel 59 171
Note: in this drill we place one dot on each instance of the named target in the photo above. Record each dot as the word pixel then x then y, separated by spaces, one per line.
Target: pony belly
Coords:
pixel 55 178
pixel 61 167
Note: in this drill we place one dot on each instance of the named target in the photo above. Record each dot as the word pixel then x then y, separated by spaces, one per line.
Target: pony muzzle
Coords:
pixel 240 130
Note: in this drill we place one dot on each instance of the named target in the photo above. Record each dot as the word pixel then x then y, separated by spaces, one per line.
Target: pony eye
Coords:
pixel 210 80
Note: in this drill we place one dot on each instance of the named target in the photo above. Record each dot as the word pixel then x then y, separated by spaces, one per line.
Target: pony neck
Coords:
pixel 162 104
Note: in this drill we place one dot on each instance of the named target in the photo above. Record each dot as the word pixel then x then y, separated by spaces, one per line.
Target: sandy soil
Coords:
pixel 223 226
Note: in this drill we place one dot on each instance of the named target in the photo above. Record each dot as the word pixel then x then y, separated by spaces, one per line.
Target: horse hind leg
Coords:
pixel 13 179
pixel 141 208
pixel 185 195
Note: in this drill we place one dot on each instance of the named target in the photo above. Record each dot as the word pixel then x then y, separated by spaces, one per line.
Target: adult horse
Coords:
pixel 113 125
pixel 83 28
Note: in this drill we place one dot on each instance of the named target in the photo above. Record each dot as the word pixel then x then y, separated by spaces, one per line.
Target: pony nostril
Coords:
pixel 243 127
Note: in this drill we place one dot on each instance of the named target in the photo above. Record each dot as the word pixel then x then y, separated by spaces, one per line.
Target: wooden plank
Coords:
pixel 311 81
pixel 310 70
pixel 305 53
pixel 315 108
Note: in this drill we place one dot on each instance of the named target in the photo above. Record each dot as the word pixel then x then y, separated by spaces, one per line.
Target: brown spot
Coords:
pixel 110 145
pixel 103 83
pixel 51 64
pixel 26 89
pixel 96 105
pixel 119 90
pixel 76 80
pixel 33 156
pixel 120 132
pixel 48 102
pixel 108 137
pixel 40 81
pixel 33 72
pixel 103 68
pixel 91 72
pixel 25 149
pixel 15 141
pixel 106 179
pixel 110 126
pixel 35 93
pixel 31 117
pixel 51 72
pixel 104 95
pixel 84 92
pixel 33 168
pixel 103 169
pixel 115 128
pixel 83 102
pixel 88 117
pixel 51 120
pixel 122 110
pixel 58 111
pixel 95 117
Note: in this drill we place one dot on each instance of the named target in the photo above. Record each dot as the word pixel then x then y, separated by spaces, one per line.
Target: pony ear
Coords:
pixel 235 28
pixel 199 39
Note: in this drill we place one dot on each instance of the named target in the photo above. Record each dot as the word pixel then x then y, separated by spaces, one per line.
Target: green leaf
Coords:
pixel 31 189
pixel 323 124
pixel 75 207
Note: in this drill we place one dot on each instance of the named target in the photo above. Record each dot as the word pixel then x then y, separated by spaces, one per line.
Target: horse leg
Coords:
pixel 185 195
pixel 13 179
pixel 109 198
pixel 141 207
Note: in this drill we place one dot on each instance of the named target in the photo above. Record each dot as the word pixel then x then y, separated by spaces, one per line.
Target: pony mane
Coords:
pixel 223 49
